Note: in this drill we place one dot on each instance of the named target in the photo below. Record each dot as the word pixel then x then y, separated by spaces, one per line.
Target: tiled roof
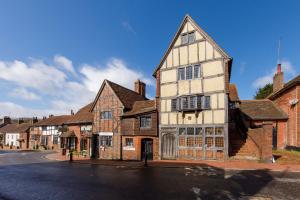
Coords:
pixel 82 116
pixel 140 107
pixel 53 121
pixel 286 86
pixel 233 93
pixel 15 128
pixel 126 96
pixel 261 110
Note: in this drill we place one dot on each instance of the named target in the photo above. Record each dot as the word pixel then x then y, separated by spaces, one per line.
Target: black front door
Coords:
pixel 95 146
pixel 147 147
pixel 274 137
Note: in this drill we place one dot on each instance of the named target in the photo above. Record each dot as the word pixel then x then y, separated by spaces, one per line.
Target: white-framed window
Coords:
pixel 129 142
pixel 106 115
pixel 181 73
pixel 145 121
pixel 106 140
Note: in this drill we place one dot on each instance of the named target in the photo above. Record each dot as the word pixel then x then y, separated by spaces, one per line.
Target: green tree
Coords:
pixel 263 92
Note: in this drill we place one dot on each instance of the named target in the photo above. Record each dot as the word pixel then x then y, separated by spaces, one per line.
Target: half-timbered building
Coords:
pixel 109 105
pixel 192 93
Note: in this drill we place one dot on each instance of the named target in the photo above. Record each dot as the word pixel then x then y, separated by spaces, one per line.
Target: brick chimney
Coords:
pixel 140 88
pixel 6 120
pixel 278 79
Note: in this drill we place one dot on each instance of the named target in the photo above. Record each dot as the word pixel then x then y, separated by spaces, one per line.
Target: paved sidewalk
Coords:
pixel 226 165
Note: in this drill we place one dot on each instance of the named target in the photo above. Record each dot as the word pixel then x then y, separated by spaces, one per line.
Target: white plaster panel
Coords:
pixel 169 76
pixel 183 87
pixel 213 84
pixel 183 55
pixel 212 68
pixel 193 53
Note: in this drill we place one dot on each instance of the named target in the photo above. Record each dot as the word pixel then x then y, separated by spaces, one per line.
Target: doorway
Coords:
pixel 95 146
pixel 168 146
pixel 147 144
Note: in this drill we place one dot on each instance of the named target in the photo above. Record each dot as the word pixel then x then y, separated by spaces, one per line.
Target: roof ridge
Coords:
pixel 109 82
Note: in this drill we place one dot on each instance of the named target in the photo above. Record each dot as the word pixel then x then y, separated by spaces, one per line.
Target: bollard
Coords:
pixel 71 156
pixel 145 164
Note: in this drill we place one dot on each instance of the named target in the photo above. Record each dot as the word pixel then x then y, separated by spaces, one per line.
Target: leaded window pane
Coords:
pixel 193 101
pixel 198 101
pixel 219 131
pixel 181 73
pixel 209 141
pixel 174 105
pixel 219 142
pixel 189 72
pixel 191 37
pixel 197 71
pixel 185 102
pixel 184 39
pixel 190 141
pixel 190 131
pixel 181 131
pixel 209 131
pixel 198 131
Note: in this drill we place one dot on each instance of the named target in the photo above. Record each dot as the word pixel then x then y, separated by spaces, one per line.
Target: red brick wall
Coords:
pixel 292 136
pixel 258 143
pixel 108 102
pixel 131 126
pixel 136 154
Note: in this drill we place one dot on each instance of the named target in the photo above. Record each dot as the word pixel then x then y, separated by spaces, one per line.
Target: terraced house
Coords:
pixel 109 105
pixel 192 92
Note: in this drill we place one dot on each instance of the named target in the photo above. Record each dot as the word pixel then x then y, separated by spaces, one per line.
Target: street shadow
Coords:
pixel 225 185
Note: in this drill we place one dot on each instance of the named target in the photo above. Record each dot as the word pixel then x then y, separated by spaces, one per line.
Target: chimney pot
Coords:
pixel 278 79
pixel 278 68
pixel 140 88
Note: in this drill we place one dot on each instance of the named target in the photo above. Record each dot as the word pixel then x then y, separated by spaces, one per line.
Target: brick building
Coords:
pixel 286 96
pixel 77 133
pixel 16 136
pixel 252 127
pixel 46 134
pixel 139 131
pixel 109 105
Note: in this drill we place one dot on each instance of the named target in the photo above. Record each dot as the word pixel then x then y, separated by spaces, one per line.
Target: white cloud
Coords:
pixel 127 26
pixel 23 93
pixel 57 94
pixel 287 68
pixel 65 63
pixel 16 110
pixel 114 70
pixel 36 74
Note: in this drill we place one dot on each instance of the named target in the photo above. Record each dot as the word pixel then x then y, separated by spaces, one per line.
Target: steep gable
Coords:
pixel 125 95
pixel 204 48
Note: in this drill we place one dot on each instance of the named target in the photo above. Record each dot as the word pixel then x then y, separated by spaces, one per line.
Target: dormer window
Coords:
pixel 188 38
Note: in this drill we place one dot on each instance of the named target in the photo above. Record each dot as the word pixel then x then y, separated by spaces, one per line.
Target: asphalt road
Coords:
pixel 30 176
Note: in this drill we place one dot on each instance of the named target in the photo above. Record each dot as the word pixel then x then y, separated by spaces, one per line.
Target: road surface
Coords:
pixel 29 176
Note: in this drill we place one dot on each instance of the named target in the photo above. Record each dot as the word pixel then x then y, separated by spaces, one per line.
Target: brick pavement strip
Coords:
pixel 226 165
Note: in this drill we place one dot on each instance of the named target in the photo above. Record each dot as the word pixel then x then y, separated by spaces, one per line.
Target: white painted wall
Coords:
pixel 11 138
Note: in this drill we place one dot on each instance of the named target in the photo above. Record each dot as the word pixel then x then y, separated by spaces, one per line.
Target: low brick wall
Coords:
pixel 260 141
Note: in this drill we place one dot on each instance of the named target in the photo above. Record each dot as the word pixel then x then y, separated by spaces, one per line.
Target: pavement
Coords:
pixel 225 165
pixel 30 175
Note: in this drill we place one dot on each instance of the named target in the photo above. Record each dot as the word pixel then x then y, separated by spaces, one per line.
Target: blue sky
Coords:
pixel 54 54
